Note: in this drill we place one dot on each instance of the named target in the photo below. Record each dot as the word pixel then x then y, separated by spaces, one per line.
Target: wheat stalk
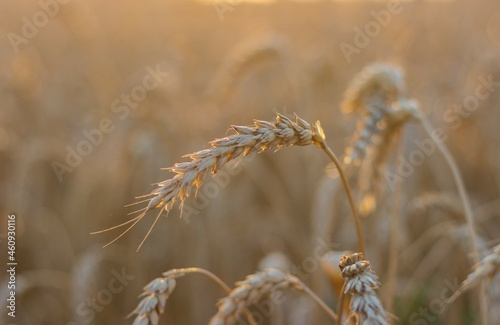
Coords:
pixel 255 288
pixel 464 198
pixel 361 281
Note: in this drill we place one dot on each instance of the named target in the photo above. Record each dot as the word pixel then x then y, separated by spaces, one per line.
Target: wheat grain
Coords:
pixel 361 281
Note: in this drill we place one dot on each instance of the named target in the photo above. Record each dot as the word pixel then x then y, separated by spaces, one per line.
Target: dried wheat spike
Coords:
pixel 361 281
pixel 252 290
pixel 249 139
pixel 152 305
pixel 487 268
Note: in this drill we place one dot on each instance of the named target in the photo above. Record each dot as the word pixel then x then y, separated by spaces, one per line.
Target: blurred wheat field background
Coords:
pixel 151 81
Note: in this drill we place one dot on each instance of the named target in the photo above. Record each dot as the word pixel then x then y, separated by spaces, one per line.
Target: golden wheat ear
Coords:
pixel 189 176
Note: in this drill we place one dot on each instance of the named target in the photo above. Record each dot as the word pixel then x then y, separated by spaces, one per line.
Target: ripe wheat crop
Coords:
pixel 394 220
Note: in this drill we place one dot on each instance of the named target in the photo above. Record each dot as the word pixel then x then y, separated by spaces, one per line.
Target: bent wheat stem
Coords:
pixel 348 192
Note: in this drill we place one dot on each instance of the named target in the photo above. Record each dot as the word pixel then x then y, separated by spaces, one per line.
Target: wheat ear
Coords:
pixel 361 281
pixel 259 137
pixel 156 293
pixel 377 94
pixel 255 288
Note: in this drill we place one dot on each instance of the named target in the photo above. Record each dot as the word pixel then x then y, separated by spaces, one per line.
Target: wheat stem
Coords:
pixel 392 268
pixel 213 277
pixel 348 192
pixel 318 300
pixel 340 304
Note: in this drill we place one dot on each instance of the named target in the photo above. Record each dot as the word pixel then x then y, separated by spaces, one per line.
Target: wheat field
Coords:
pixel 141 181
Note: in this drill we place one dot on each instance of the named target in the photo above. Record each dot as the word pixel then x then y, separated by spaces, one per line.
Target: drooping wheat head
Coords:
pixel 361 281
pixel 189 176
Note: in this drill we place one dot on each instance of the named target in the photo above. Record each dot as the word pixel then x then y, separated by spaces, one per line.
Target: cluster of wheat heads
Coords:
pixel 189 176
pixel 379 93
pixel 360 282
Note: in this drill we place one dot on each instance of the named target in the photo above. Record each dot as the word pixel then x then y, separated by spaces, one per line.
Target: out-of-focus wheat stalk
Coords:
pixel 243 59
pixel 255 288
pixel 377 94
pixel 457 177
pixel 361 281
